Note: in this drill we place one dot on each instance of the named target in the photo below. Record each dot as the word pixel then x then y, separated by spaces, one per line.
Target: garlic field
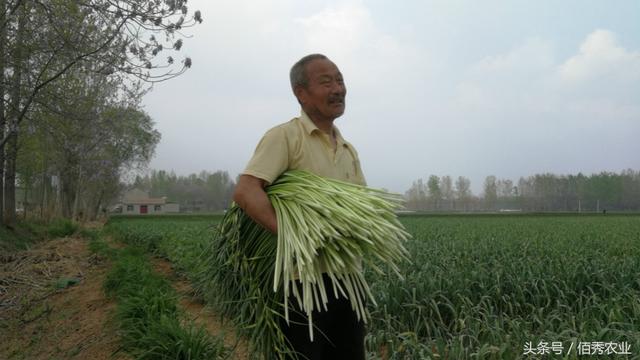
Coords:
pixel 477 286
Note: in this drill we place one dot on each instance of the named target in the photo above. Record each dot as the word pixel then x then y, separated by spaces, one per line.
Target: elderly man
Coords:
pixel 309 142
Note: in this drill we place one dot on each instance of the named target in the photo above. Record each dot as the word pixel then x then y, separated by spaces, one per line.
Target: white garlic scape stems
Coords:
pixel 330 226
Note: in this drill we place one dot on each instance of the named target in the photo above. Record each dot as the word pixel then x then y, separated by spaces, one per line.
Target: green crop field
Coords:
pixel 495 287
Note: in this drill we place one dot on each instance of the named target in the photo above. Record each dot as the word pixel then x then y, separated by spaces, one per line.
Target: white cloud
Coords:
pixel 603 109
pixel 348 34
pixel 599 81
pixel 517 80
pixel 535 53
pixel 601 56
pixel 543 110
pixel 338 31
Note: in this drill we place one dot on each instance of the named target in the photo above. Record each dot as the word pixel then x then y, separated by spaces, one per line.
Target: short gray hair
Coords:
pixel 298 75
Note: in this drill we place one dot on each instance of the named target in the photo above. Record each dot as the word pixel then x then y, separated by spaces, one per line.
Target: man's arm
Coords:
pixel 251 197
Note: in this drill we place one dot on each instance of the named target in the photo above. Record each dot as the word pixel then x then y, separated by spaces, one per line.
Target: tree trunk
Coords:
pixel 11 148
pixel 59 204
pixel 76 200
pixel 11 151
pixel 43 200
pixel 3 50
pixel 96 209
pixel 10 181
pixel 66 192
pixel 25 201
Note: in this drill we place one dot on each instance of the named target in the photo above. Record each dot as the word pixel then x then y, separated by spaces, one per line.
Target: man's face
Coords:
pixel 324 97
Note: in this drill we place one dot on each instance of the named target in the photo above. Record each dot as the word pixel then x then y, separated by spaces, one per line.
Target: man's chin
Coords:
pixel 328 113
pixel 338 110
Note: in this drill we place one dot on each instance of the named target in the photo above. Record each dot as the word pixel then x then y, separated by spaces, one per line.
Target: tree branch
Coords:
pixel 25 108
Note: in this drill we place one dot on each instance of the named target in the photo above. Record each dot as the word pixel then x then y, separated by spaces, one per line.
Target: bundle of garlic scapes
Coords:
pixel 325 226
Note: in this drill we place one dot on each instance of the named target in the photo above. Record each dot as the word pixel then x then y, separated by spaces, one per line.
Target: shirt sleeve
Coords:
pixel 271 157
pixel 360 176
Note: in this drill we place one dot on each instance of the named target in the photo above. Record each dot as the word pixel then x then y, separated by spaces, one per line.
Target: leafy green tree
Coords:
pixel 435 193
pixel 43 41
pixel 195 192
pixel 96 133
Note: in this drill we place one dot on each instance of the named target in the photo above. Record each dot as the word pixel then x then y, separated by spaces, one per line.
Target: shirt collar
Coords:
pixel 310 127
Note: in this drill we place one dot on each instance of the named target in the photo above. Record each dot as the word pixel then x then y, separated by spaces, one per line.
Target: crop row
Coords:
pixel 476 286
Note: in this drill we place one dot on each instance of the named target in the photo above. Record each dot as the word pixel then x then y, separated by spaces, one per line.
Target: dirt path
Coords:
pixel 199 313
pixel 52 305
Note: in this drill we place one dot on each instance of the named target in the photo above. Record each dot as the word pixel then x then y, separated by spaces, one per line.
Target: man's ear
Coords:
pixel 300 93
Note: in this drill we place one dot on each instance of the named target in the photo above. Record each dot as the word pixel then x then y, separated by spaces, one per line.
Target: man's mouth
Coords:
pixel 336 101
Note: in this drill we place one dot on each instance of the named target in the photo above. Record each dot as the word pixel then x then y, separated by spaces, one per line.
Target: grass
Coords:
pixel 179 238
pixel 98 246
pixel 61 228
pixel 25 233
pixel 65 282
pixel 22 236
pixel 151 324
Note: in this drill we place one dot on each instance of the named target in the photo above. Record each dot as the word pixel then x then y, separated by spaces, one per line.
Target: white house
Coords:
pixel 138 202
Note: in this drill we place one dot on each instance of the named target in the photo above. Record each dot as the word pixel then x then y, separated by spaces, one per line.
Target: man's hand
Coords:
pixel 251 197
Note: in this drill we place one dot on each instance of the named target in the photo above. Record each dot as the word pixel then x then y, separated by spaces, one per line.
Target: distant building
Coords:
pixel 138 202
pixel 193 206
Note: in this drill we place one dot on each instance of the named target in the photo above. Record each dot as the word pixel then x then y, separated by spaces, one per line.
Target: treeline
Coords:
pixel 196 192
pixel 72 74
pixel 541 192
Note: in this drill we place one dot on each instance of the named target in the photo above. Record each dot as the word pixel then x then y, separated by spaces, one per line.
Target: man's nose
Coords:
pixel 338 87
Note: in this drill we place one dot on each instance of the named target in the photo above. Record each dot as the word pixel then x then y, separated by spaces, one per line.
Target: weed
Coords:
pixel 64 283
pixel 148 315
pixel 61 228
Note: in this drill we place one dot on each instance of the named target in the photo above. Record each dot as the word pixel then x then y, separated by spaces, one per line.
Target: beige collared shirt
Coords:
pixel 299 145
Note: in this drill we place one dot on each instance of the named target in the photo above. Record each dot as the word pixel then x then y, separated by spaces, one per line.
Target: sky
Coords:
pixel 447 87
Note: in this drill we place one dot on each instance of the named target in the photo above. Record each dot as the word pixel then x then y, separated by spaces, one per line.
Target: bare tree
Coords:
pixel 416 196
pixel 490 192
pixel 463 191
pixel 446 187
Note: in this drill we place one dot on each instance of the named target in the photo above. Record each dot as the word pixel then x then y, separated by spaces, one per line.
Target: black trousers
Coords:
pixel 337 333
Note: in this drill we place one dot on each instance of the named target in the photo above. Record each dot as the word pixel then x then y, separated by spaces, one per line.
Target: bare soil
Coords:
pixel 52 304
